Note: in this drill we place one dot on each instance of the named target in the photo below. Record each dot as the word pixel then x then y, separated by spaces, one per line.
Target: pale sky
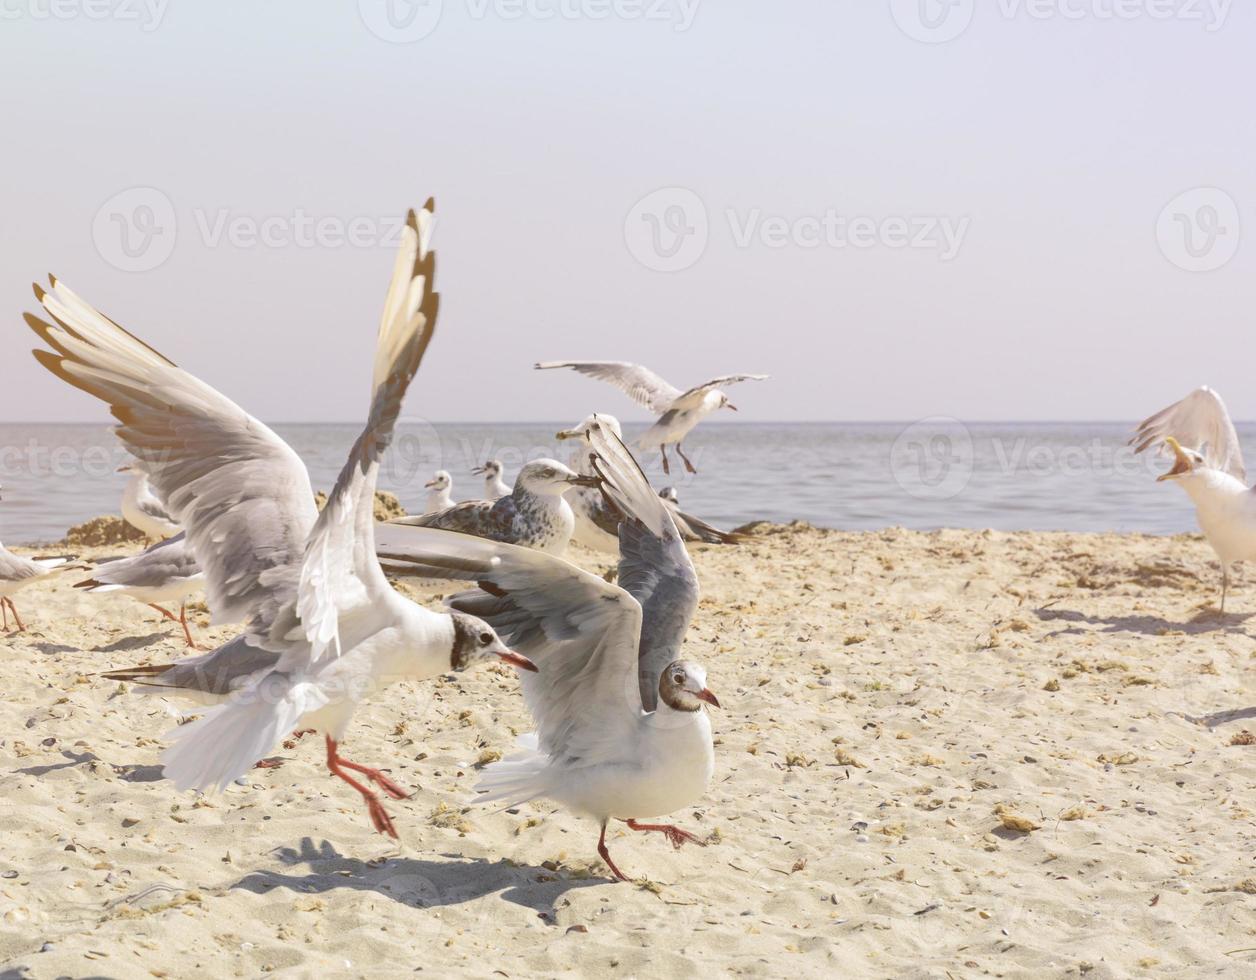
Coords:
pixel 1021 253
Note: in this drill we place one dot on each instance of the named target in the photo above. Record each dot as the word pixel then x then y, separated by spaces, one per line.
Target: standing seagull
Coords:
pixel 142 509
pixel 324 628
pixel 17 573
pixel 439 492
pixel 622 731
pixel 1210 470
pixel 678 411
pixel 597 521
pixel 166 572
pixel 494 486
pixel 535 515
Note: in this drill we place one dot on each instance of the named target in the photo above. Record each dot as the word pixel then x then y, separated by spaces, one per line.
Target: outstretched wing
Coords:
pixel 340 573
pixel 483 518
pixel 580 631
pixel 639 383
pixel 1200 422
pixel 654 565
pixel 240 491
pixel 693 397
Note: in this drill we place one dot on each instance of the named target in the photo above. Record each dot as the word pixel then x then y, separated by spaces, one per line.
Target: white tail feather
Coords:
pixel 516 779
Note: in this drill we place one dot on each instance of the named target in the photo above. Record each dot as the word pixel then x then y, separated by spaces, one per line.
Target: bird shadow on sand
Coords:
pixel 1205 621
pixel 72 759
pixel 1219 718
pixel 131 643
pixel 418 882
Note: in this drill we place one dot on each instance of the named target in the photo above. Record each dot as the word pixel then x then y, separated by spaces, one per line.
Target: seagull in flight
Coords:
pixel 494 486
pixel 439 492
pixel 1208 465
pixel 622 727
pixel 678 411
pixel 323 627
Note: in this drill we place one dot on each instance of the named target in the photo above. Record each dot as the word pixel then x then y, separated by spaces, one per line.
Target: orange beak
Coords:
pixel 518 660
pixel 1181 462
pixel 706 695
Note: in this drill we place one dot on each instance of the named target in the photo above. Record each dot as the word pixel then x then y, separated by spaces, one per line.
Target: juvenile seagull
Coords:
pixel 439 492
pixel 597 521
pixel 1208 465
pixel 166 572
pixel 324 628
pixel 142 509
pixel 494 486
pixel 535 515
pixel 678 411
pixel 622 731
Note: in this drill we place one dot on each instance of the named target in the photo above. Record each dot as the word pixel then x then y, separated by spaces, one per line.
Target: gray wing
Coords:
pixel 492 519
pixel 157 566
pixel 240 491
pixel 14 568
pixel 152 507
pixel 1200 422
pixel 639 383
pixel 654 566
pixel 694 529
pixel 218 672
pixel 693 397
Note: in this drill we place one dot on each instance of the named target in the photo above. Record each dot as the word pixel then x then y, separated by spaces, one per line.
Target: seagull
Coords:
pixel 17 572
pixel 678 411
pixel 622 728
pixel 597 522
pixel 439 489
pixel 693 528
pixel 323 627
pixel 142 509
pixel 494 486
pixel 1208 465
pixel 166 572
pixel 535 515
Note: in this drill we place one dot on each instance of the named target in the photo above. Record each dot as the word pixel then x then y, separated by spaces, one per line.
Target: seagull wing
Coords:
pixel 153 568
pixel 1200 422
pixel 240 491
pixel 639 383
pixel 693 397
pixel 340 573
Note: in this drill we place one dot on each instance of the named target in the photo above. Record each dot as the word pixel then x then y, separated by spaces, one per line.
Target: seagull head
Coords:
pixel 441 480
pixel 1185 461
pixel 592 424
pixel 550 477
pixel 670 495
pixel 475 642
pixel 490 469
pixel 683 687
pixel 725 403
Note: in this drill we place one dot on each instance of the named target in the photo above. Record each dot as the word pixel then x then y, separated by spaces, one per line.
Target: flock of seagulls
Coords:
pixel 622 731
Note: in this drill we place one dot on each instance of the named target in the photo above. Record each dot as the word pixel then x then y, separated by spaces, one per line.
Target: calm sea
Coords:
pixel 857 476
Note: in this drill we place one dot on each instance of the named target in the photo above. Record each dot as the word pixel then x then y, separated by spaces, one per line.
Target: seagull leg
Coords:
pixel 666 467
pixel 4 608
pixel 605 855
pixel 165 612
pixel 675 835
pixel 379 816
pixel 680 451
pixel 21 627
pixel 1225 584
pixel 183 621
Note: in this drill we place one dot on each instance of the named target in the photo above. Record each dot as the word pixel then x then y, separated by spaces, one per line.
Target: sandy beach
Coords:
pixel 949 754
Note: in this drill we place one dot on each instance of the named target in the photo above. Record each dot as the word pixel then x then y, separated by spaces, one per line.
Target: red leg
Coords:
pixel 681 452
pixel 4 608
pixel 21 627
pixel 605 855
pixel 674 834
pixel 379 816
pixel 666 466
pixel 378 778
pixel 183 621
pixel 165 612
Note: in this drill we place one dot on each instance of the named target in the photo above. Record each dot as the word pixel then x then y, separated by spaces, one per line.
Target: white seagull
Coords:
pixel 17 573
pixel 324 628
pixel 1208 465
pixel 597 521
pixel 439 492
pixel 622 729
pixel 678 411
pixel 166 572
pixel 142 509
pixel 494 486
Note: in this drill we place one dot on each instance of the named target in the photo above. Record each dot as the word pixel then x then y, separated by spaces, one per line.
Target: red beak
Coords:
pixel 706 695
pixel 430 483
pixel 518 660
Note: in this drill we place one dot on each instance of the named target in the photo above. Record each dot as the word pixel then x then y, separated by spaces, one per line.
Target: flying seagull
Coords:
pixel 1208 465
pixel 323 627
pixel 678 411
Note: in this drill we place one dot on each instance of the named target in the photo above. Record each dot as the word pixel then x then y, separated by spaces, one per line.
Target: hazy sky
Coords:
pixel 892 221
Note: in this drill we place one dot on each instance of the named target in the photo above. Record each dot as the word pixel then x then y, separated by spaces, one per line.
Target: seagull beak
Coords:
pixel 1181 462
pixel 123 469
pixel 518 660
pixel 731 407
pixel 430 483
pixel 706 695
pixel 568 434
pixel 479 470
pixel 584 481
